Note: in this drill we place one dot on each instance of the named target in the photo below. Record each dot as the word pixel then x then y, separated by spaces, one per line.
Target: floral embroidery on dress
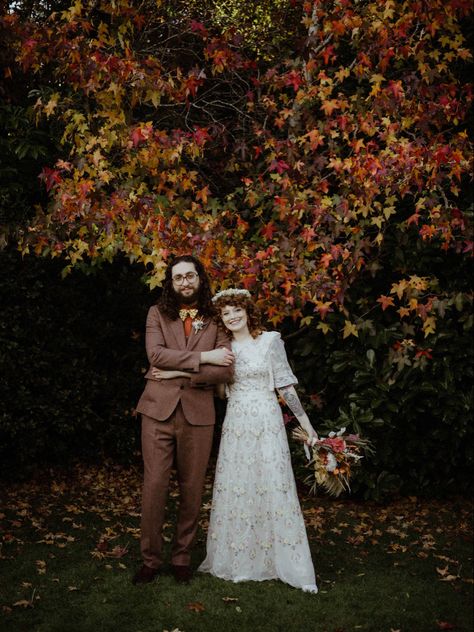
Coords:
pixel 256 529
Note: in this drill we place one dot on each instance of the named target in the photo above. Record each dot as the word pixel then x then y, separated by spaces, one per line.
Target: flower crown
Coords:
pixel 230 292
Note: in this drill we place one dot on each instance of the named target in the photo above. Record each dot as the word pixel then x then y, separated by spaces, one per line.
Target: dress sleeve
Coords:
pixel 280 373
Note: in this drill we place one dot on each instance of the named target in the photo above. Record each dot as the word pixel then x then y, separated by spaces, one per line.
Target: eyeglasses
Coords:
pixel 190 277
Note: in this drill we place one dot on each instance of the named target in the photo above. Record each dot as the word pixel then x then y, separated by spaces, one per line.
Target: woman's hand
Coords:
pixel 312 435
pixel 219 357
pixel 162 374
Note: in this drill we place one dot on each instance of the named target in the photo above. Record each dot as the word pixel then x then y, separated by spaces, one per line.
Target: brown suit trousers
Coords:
pixel 161 441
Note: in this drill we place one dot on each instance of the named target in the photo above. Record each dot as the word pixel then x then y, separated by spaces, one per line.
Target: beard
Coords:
pixel 189 299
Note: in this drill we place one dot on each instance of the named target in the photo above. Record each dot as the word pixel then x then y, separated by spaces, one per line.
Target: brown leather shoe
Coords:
pixel 145 575
pixel 182 574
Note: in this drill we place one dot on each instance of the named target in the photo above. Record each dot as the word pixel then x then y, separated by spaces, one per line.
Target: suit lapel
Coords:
pixel 194 336
pixel 178 331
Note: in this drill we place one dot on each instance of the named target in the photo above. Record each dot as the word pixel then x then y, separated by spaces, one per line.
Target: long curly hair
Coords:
pixel 254 318
pixel 169 302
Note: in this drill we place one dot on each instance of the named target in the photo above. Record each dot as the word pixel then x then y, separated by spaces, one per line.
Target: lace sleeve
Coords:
pixel 280 371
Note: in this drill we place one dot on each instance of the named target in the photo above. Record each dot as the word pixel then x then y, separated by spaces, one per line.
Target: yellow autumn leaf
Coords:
pixel 399 288
pixel 429 326
pixel 324 327
pixel 350 330
pixel 51 105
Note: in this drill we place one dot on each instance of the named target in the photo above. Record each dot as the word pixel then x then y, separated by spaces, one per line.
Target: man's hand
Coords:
pixel 220 357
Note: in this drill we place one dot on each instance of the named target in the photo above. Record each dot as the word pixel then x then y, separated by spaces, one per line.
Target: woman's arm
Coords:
pixel 289 394
pixel 165 374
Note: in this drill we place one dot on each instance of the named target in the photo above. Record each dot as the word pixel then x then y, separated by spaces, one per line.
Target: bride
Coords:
pixel 256 529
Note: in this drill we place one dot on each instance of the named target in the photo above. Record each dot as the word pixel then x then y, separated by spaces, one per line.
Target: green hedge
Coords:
pixel 72 356
pixel 416 410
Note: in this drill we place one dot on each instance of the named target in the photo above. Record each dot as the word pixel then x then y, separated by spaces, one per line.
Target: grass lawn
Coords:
pixel 70 548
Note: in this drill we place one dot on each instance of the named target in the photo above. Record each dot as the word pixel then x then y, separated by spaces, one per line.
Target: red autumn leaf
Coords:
pixel 279 165
pixel 201 135
pixel 268 230
pixel 385 301
pixel 138 135
pixel 294 79
pixel 198 27
pixel 50 177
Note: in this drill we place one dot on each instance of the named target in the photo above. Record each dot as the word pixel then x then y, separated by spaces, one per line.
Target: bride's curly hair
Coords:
pixel 254 317
pixel 169 302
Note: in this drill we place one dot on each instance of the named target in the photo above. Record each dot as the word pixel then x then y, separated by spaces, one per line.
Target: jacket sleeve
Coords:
pixel 161 356
pixel 210 374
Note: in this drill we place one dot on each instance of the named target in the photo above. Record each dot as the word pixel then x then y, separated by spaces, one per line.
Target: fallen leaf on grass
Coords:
pixel 196 606
pixel 229 599
pixel 446 576
pixel 23 603
pixel 118 551
pixel 445 625
pixel 41 567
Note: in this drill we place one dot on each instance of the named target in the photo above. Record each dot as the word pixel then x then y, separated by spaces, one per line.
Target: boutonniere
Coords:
pixel 198 324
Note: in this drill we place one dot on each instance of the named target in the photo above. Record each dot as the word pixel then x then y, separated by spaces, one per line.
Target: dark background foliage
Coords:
pixel 72 356
pixel 72 359
pixel 72 349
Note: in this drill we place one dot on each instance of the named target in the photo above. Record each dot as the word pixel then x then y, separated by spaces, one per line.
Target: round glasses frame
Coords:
pixel 190 277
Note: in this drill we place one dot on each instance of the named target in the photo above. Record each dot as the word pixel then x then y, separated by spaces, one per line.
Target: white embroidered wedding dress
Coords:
pixel 256 529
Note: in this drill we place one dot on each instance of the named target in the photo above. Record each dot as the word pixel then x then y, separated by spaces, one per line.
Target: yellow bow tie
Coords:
pixel 184 313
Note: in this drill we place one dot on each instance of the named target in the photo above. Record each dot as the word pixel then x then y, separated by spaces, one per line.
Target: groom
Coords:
pixel 178 414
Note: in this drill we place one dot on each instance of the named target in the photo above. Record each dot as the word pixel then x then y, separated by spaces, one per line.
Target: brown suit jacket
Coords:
pixel 167 348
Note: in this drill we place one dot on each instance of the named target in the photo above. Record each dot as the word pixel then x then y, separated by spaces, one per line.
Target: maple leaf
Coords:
pixel 329 106
pixel 23 603
pixel 403 311
pixel 287 285
pixel 279 165
pixel 349 330
pixel 325 328
pixel 395 87
pixel 268 230
pixel 196 606
pixel 315 138
pixel 140 135
pixel 385 301
pixel 429 326
pixel 323 308
pixel 399 288
pixel 294 79
pixel 50 177
pixel 51 105
pixel 202 194
pixel 198 27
